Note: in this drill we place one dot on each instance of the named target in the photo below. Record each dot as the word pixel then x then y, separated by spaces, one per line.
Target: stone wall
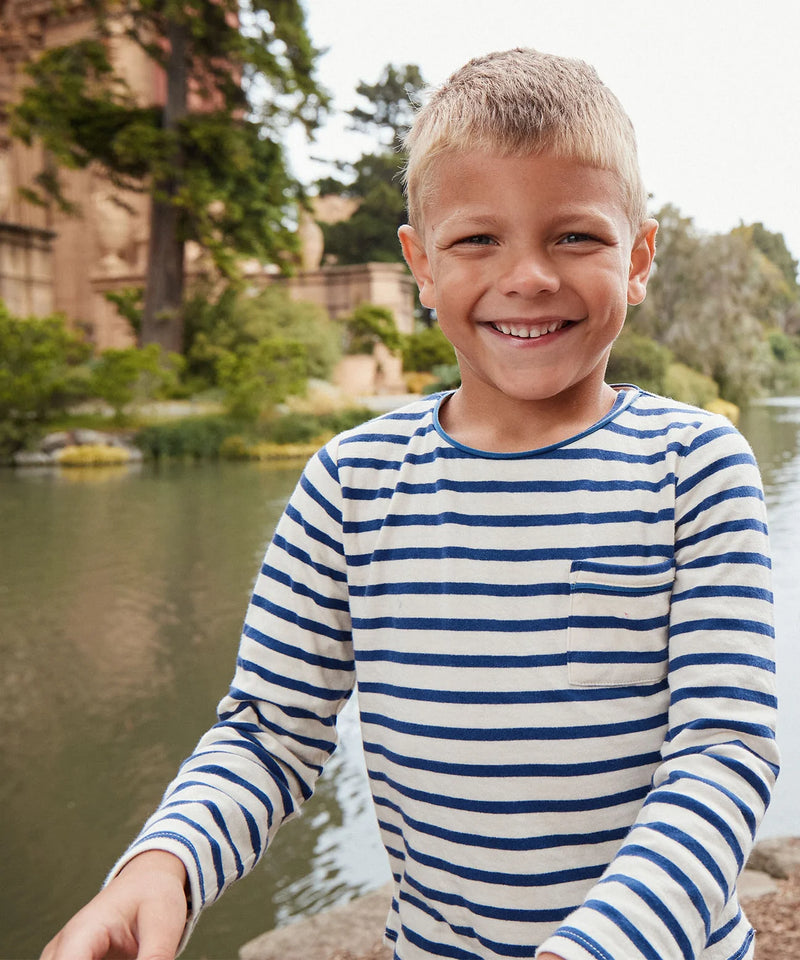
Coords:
pixel 26 269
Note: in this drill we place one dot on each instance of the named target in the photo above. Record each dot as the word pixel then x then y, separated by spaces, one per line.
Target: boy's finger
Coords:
pixel 160 927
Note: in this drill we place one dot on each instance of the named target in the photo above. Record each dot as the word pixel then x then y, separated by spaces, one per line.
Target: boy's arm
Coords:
pixel 666 892
pixel 277 725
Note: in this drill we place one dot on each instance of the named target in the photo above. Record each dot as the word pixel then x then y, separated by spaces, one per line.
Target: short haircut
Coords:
pixel 522 101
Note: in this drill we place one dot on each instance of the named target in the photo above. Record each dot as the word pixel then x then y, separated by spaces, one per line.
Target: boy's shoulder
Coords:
pixel 682 427
pixel 395 425
pixel 646 404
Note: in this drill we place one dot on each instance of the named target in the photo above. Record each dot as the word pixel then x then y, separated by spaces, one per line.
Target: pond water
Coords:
pixel 121 598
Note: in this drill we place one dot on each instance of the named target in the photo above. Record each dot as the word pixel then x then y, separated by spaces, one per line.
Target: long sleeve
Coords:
pixel 277 725
pixel 670 891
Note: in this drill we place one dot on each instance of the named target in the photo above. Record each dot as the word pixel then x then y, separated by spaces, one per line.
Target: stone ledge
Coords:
pixel 352 930
pixel 355 931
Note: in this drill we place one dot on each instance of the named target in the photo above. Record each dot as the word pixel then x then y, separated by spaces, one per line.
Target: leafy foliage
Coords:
pixel 210 156
pixel 197 438
pixel 426 349
pixel 121 377
pixel 391 102
pixel 640 360
pixel 206 438
pixel 371 233
pixel 261 375
pixel 42 372
pixel 713 301
pixel 690 386
pixel 235 321
pixel 367 326
pixel 257 348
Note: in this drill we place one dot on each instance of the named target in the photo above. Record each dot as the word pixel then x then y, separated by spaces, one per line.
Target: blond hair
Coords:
pixel 523 101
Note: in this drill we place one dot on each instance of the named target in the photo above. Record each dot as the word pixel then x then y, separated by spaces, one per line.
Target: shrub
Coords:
pixel 92 455
pixel 42 372
pixel 784 376
pixel 448 377
pixel 640 360
pixel 124 376
pixel 222 436
pixel 262 375
pixel 426 349
pixel 195 437
pixel 690 386
pixel 234 323
pixel 367 326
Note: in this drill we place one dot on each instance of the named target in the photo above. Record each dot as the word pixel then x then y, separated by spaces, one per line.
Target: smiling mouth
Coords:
pixel 526 332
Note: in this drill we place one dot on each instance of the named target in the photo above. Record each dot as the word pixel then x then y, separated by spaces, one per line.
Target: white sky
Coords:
pixel 712 86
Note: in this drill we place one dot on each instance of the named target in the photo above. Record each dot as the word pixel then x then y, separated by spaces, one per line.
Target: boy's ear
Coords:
pixel 418 264
pixel 642 255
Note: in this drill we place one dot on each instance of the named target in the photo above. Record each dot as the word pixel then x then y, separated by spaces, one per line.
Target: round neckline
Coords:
pixel 626 393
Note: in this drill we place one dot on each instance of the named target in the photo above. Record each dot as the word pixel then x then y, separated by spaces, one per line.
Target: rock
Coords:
pixel 91 437
pixel 54 441
pixel 778 856
pixel 32 458
pixel 52 446
pixel 351 930
pixel 754 884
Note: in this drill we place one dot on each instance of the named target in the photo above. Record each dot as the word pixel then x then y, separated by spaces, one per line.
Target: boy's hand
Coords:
pixel 140 913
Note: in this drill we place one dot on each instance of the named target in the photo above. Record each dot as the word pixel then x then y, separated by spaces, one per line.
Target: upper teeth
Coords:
pixel 533 332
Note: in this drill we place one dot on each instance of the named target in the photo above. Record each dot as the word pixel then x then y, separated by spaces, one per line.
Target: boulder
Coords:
pixel 778 856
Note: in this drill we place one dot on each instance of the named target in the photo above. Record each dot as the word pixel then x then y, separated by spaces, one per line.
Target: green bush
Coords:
pixel 42 371
pixel 689 386
pixel 426 349
pixel 640 360
pixel 206 438
pixel 784 376
pixel 304 427
pixel 234 323
pixel 198 438
pixel 261 375
pixel 448 377
pixel 367 326
pixel 124 376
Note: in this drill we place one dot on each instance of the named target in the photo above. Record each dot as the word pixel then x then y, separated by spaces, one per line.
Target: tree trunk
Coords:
pixel 162 319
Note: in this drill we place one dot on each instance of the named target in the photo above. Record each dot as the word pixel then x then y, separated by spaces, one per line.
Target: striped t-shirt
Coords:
pixel 565 674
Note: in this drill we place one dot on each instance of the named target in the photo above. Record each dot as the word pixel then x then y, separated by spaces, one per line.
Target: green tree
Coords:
pixel 375 179
pixel 712 300
pixel 215 173
pixel 773 246
pixel 42 371
pixel 391 102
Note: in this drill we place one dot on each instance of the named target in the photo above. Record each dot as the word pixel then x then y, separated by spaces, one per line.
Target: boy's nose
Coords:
pixel 529 274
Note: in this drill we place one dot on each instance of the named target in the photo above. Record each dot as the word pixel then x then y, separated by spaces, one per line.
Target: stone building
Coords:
pixel 51 261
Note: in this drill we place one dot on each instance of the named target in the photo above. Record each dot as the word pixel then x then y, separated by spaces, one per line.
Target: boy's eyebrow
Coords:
pixel 486 220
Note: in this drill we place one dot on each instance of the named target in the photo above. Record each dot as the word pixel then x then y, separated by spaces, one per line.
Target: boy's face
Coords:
pixel 530 263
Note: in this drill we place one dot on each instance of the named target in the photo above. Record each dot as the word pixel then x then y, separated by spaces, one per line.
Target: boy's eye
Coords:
pixel 478 239
pixel 575 237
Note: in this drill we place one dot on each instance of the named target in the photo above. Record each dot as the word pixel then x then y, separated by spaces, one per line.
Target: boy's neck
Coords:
pixel 515 426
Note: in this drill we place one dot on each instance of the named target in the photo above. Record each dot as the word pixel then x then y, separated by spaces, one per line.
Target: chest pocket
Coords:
pixel 618 623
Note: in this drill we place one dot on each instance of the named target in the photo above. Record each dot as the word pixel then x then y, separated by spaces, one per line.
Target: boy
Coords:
pixel 554 594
